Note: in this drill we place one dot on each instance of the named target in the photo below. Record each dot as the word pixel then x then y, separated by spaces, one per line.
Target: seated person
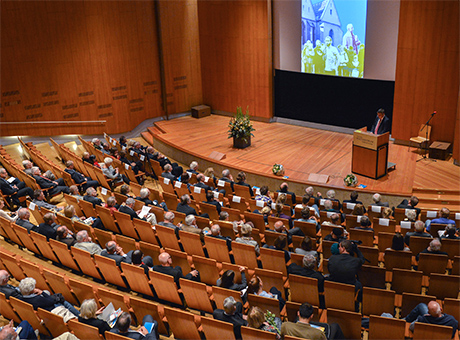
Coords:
pixel 336 235
pixel 443 218
pixel 256 319
pixel 411 204
pixel 241 180
pixel 449 232
pixel 49 226
pixel 246 237
pixel 227 280
pixel 354 199
pixel 232 313
pixel 397 243
pixel 433 248
pixel 124 321
pixel 419 231
pixel 166 267
pixel 377 200
pixel 89 313
pixel 306 248
pixel 256 287
pixel 284 188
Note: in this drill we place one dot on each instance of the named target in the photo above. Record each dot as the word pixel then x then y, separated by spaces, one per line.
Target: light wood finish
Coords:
pixel 424 331
pixel 80 61
pixel 378 301
pixel 381 328
pixel 350 322
pixel 205 135
pixel 215 329
pixel 417 94
pixel 196 295
pixel 137 279
pixel 182 324
pixel 241 57
pixel 248 333
pixel 339 295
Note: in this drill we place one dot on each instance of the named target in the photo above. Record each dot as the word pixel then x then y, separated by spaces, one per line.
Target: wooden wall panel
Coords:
pixel 78 61
pixel 427 76
pixel 181 54
pixel 235 41
pixel 456 149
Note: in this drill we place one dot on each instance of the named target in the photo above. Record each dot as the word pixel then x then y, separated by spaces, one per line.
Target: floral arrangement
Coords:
pixel 240 126
pixel 270 319
pixel 350 180
pixel 278 169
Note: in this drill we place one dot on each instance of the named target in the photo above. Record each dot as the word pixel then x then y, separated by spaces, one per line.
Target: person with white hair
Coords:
pixel 43 299
pixel 144 196
pixel 167 173
pixel 39 201
pixel 191 226
pixel 377 199
pixel 55 187
pixel 79 178
pixel 184 207
pixel 23 220
pixel 331 196
pixel 232 313
pixel 128 208
pixel 419 231
pixel 96 143
pixel 88 316
pixel 91 197
pixel 193 168
pixel 433 248
pixel 168 220
pixel 112 173
pixel 84 242
pixel 227 177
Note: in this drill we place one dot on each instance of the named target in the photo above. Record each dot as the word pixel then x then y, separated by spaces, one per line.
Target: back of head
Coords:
pixel 444 213
pixel 223 216
pixel 256 317
pixel 413 201
pixel 419 226
pixel 306 199
pixel 69 211
pixel 434 309
pixel 81 235
pixel 365 222
pixel 305 213
pixel 387 212
pixel 209 195
pixel 88 309
pixel 246 230
pixel 111 201
pixel 169 216
pixel 398 242
pixel 215 229
pixel 230 305
pixel 123 322
pixel 435 245
pixel 335 219
pixel 111 246
pixel 37 193
pixel 309 262
pixel 130 201
pixel 376 198
pixel 411 214
pixel 281 199
pixel 190 219
pixel 450 231
pixel 144 193
pixel 48 218
pixel 184 199
pixel 27 285
pixel 306 243
pixel 124 189
pixel 241 177
pixel 61 232
pixel 358 210
pixel 225 173
pixel 306 310
pixel 309 191
pixel 227 278
pixel 280 242
pixel 264 190
pixel 136 256
pixel 328 205
pixel 347 245
pixel 354 196
pixel 330 194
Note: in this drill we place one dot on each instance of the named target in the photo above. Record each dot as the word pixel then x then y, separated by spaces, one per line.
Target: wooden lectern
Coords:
pixel 370 154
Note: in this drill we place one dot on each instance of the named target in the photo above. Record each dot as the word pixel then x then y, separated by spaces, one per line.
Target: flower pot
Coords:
pixel 241 143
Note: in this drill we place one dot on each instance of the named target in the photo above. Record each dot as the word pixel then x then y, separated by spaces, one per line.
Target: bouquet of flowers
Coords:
pixel 240 126
pixel 350 180
pixel 278 170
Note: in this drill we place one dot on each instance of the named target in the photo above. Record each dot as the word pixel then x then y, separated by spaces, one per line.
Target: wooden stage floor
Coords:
pixel 303 151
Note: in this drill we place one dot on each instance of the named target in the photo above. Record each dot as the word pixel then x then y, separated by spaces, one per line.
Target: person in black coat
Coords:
pixel 232 313
pixel 308 270
pixel 381 124
pixel 124 321
pixel 344 267
pixel 91 197
pixel 211 200
pixel 48 228
pixel 16 189
pixel 64 235
pixel 165 267
pixel 55 187
pixel 80 178
pixel 6 288
pixel 23 220
pixel 88 316
pixel 284 188
pixel 410 204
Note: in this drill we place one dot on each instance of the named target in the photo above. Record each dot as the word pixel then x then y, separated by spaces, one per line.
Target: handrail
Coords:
pixel 58 122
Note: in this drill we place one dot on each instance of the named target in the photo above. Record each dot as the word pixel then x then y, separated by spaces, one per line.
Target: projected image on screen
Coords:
pixel 333 37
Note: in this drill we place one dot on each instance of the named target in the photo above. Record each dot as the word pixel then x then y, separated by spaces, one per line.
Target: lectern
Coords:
pixel 370 154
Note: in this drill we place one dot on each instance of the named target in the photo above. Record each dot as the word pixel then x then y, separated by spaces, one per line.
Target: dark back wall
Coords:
pixel 339 101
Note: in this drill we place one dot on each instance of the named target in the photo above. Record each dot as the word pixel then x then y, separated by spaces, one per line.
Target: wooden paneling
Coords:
pixel 236 61
pixel 78 61
pixel 427 77
pixel 181 54
pixel 456 149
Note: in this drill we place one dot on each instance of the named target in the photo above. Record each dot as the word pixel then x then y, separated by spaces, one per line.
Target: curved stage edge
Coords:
pixel 301 150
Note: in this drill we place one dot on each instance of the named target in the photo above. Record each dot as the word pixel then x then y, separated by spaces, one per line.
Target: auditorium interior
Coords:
pixel 157 82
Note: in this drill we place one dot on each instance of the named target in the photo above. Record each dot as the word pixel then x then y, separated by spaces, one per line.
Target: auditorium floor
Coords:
pixel 303 151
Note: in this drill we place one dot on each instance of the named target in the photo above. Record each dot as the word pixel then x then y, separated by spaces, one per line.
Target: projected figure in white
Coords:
pixel 331 55
pixel 343 61
pixel 307 57
pixel 349 39
pixel 318 59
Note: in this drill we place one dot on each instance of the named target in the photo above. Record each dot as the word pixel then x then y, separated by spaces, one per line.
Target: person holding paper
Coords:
pixel 381 124
pixel 89 313
pixel 112 173
pixel 91 197
pixel 144 214
pixel 14 187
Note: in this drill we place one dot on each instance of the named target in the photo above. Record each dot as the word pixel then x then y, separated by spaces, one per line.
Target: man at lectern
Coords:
pixel 381 124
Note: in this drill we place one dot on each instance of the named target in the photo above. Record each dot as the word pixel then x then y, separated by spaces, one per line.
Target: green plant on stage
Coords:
pixel 240 126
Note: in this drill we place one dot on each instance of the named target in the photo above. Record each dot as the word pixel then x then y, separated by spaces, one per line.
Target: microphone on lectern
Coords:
pixel 433 113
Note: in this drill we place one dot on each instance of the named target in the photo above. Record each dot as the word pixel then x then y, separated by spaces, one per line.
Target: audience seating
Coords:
pixel 303 289
pixel 350 322
pixel 372 276
pixel 54 323
pixel 209 273
pixel 7 310
pixel 220 294
pixel 217 249
pixel 381 328
pixel 26 312
pixel 84 331
pixel 378 301
pixel 423 331
pixel 406 281
pixel 182 324
pixel 136 278
pixel 215 329
pixel 410 301
pixel 398 259
pixel 196 295
pixel 248 333
pixel 339 295
pixel 59 284
pixel 444 286
pixel 432 263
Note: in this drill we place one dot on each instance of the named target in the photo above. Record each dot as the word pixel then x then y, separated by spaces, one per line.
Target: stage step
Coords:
pixel 432 198
pixel 155 130
pixel 147 137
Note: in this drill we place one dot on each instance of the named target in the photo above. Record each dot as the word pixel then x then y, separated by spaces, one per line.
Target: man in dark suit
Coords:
pixel 381 124
pixel 128 208
pixel 6 288
pixel 56 186
pixel 377 198
pixel 201 184
pixel 309 270
pixel 91 197
pixel 231 313
pixel 184 207
pixel 211 200
pixel 115 252
pixel 124 321
pixel 165 267
pixel 64 235
pixel 48 228
pixel 405 204
pixel 227 177
pixel 167 173
pixel 344 267
pixel 79 178
pixel 23 220
pixel 215 232
pixel 16 188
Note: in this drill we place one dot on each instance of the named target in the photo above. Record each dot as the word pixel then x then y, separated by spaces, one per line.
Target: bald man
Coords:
pixel 167 268
pixel 432 314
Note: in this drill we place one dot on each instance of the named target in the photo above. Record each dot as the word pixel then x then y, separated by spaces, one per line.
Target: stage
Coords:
pixel 301 151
